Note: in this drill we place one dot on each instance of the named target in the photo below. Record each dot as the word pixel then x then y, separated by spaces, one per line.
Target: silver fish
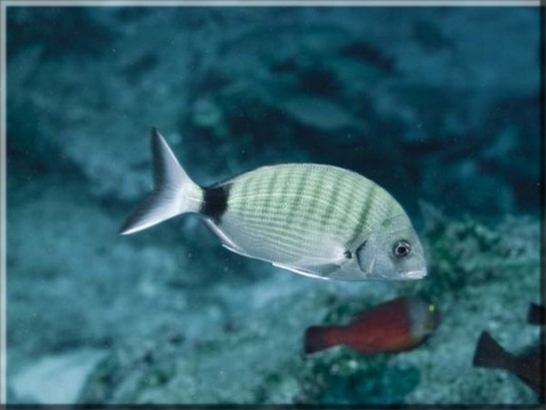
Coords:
pixel 316 220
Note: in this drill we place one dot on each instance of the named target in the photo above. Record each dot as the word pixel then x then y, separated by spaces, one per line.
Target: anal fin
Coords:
pixel 319 271
pixel 226 241
pixel 235 249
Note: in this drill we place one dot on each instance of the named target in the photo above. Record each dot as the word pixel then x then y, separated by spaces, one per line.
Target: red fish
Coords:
pixel 398 324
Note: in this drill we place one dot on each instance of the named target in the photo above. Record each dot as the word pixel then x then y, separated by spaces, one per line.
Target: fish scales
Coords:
pixel 279 198
pixel 331 201
pixel 295 203
pixel 280 238
pixel 317 199
pixel 308 218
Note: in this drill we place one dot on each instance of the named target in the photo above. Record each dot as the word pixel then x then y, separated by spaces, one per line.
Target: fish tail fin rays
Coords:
pixel 319 338
pixel 174 192
pixel 490 354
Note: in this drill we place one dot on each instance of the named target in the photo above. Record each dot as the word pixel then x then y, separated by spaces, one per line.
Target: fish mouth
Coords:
pixel 415 274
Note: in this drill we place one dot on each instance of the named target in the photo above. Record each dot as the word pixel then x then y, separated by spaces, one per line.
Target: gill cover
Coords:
pixel 381 256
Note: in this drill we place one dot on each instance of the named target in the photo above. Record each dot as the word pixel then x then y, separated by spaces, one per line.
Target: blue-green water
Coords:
pixel 441 106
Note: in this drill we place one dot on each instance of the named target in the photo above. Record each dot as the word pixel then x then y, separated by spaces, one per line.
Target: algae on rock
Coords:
pixel 480 277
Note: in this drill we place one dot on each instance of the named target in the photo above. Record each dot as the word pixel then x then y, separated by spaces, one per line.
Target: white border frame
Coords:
pixel 3 221
pixel 158 3
pixel 280 3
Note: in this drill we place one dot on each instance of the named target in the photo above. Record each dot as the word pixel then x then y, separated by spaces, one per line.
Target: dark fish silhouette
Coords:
pixel 392 326
pixel 535 315
pixel 529 366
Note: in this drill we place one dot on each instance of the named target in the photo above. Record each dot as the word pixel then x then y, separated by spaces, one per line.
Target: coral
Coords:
pixel 467 252
pixel 203 370
pixel 471 293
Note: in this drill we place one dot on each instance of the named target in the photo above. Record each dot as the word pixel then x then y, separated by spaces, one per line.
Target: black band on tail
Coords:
pixel 215 202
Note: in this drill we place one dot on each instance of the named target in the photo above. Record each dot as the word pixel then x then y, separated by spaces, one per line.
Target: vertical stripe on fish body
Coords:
pixel 316 220
pixel 293 212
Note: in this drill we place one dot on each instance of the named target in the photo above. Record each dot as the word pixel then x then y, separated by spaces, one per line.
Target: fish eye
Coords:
pixel 401 249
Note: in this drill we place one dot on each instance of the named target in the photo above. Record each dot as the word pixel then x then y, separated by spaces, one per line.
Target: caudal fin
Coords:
pixel 174 192
pixel 490 354
pixel 536 315
pixel 318 338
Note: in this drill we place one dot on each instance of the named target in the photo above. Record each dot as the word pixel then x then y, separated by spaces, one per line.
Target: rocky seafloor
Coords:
pixel 438 105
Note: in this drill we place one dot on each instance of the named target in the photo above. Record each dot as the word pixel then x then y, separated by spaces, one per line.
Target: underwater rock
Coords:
pixel 339 73
pixel 265 340
pixel 466 252
pixel 53 29
pixel 325 115
pixel 430 36
pixel 13 398
pixel 121 282
pixel 480 276
pixel 56 379
pixel 474 282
